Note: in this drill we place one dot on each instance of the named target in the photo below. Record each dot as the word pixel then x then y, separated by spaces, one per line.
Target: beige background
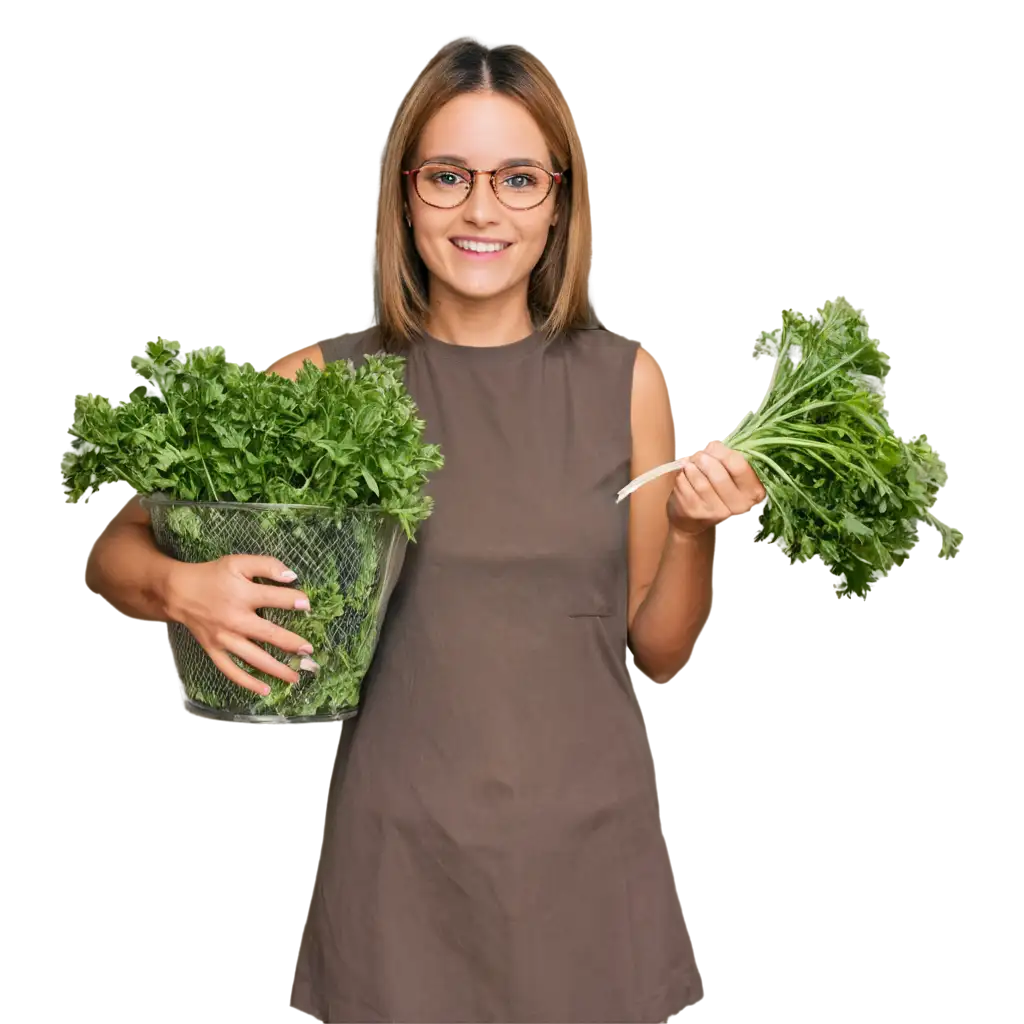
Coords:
pixel 848 834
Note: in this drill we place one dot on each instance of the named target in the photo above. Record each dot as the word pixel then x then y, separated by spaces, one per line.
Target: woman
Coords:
pixel 492 846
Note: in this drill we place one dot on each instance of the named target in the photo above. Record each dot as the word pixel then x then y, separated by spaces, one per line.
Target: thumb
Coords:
pixel 265 566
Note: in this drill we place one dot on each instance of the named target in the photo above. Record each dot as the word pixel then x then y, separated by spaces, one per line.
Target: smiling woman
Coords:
pixel 463 217
pixel 492 843
pixel 482 150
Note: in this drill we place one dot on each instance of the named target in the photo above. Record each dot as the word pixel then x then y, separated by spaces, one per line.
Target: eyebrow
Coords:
pixel 449 158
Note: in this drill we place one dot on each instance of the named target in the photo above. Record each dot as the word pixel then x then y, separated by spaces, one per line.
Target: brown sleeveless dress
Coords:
pixel 492 848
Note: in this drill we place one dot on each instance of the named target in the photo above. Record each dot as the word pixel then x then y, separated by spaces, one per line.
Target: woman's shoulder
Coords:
pixel 602 340
pixel 608 360
pixel 350 345
pixel 601 364
pixel 353 345
pixel 603 350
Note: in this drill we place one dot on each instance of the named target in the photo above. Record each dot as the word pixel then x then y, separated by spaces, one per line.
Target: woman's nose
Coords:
pixel 482 204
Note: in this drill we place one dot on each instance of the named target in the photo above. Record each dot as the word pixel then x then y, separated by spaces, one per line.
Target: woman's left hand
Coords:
pixel 713 484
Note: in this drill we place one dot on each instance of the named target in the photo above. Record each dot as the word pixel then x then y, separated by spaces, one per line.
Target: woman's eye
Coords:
pixel 527 180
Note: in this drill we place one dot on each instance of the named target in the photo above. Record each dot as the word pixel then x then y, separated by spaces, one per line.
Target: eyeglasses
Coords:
pixel 518 186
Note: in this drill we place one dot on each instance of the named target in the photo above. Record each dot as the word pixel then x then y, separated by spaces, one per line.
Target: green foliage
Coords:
pixel 344 439
pixel 222 432
pixel 841 485
pixel 342 560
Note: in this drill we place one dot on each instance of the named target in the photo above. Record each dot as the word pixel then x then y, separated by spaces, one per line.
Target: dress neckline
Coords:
pixel 488 353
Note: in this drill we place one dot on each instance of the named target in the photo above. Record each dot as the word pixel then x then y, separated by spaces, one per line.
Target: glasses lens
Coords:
pixel 522 187
pixel 442 184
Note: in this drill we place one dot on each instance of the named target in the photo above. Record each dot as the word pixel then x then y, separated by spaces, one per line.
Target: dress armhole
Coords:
pixel 347 345
pixel 631 353
pixel 613 367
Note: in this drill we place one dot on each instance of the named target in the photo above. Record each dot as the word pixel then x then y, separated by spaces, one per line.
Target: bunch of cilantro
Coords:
pixel 340 438
pixel 840 484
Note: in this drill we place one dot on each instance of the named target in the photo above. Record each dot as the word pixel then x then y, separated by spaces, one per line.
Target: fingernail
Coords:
pixel 302 602
pixel 288 575
pixel 309 665
pixel 265 690
pixel 306 649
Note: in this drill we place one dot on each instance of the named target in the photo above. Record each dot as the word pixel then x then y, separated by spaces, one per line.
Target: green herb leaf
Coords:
pixel 841 485
pixel 217 431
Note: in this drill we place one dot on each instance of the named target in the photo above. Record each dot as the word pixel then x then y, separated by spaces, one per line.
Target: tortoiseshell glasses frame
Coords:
pixel 554 177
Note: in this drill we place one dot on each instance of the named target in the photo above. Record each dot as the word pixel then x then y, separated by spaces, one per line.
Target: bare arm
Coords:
pixel 669 574
pixel 125 565
pixel 127 568
pixel 672 528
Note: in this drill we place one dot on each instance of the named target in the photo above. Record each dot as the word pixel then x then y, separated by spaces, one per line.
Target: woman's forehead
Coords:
pixel 494 129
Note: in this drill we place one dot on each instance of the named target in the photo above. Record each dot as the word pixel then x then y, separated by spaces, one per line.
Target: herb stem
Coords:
pixel 785 476
pixel 195 429
pixel 827 372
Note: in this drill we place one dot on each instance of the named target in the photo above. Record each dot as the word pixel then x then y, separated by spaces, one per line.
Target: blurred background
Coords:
pixel 839 780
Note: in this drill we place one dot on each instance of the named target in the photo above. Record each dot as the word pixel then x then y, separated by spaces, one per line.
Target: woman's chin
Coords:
pixel 478 286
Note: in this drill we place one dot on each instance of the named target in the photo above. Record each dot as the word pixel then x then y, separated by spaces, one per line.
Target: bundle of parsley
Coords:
pixel 840 484
pixel 324 471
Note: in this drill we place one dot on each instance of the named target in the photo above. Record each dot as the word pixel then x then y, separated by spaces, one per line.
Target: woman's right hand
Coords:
pixel 217 601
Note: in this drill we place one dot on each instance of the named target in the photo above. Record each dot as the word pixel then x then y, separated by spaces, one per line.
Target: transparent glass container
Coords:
pixel 347 560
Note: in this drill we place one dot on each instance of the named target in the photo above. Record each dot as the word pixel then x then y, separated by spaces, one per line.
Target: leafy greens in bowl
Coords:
pixel 325 472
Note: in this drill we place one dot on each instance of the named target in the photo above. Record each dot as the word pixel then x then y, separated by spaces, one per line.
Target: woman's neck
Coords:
pixel 479 325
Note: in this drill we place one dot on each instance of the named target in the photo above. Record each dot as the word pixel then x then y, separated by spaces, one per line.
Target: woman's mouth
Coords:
pixel 480 250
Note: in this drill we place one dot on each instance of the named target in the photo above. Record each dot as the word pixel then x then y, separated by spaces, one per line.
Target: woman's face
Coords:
pixel 483 130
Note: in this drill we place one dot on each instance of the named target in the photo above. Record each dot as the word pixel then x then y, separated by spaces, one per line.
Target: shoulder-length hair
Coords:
pixel 557 296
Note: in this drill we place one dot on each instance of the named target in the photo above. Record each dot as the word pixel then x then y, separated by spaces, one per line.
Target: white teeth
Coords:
pixel 481 246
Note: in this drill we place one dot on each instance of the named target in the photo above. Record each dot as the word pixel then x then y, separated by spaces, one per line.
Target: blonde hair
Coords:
pixel 557 297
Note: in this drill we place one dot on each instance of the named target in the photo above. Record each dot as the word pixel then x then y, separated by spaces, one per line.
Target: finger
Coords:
pixel 268 632
pixel 266 595
pixel 712 504
pixel 264 661
pixel 236 674
pixel 689 500
pixel 265 566
pixel 722 482
pixel 738 467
